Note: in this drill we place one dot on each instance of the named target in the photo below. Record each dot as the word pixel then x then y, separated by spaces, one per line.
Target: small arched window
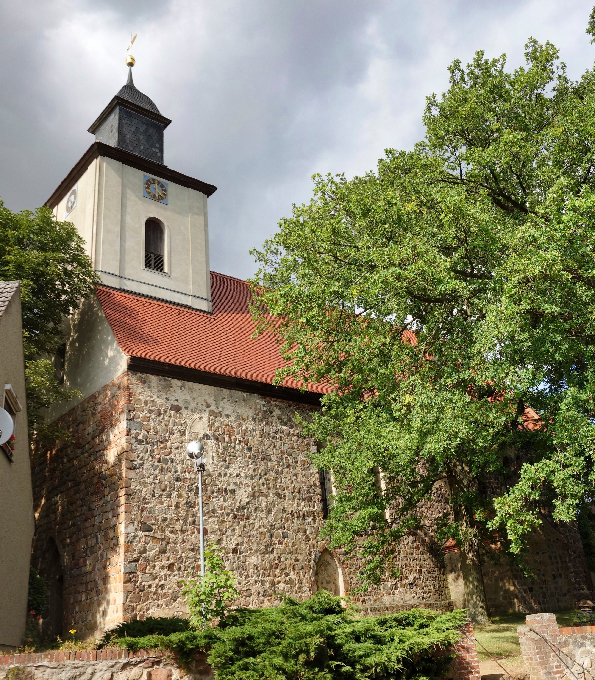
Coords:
pixel 153 246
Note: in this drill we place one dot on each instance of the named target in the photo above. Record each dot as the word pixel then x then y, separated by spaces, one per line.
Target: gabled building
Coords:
pixel 163 354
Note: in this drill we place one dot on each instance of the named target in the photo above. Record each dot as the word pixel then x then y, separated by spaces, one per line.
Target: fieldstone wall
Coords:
pixel 263 502
pixel 117 513
pixel 151 664
pixel 103 664
pixel 79 500
pixel 118 505
pixel 561 578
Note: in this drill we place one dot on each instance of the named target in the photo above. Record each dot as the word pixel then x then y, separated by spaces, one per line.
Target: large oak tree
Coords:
pixel 442 296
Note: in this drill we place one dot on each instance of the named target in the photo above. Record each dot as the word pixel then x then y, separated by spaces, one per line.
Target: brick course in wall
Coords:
pixel 102 664
pixel 153 664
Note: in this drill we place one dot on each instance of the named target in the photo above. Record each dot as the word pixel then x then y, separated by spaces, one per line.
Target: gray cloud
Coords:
pixel 262 94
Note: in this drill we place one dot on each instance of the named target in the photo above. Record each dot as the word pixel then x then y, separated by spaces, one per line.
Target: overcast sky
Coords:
pixel 262 93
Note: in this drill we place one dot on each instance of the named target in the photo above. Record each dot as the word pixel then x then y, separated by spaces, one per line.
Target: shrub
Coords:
pixel 142 628
pixel 210 596
pixel 319 639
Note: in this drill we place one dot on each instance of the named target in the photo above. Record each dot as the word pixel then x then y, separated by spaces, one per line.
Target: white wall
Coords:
pixel 93 357
pixel 110 215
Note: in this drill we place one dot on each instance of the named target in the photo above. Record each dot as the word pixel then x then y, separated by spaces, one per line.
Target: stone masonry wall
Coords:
pixel 79 496
pixel 102 664
pixel 561 578
pixel 262 498
pixel 152 664
pixel 120 502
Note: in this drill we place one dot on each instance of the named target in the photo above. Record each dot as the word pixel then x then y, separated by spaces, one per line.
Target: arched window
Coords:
pixel 154 246
pixel 328 574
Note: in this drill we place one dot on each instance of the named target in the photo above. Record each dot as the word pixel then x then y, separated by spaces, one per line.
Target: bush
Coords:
pixel 150 626
pixel 210 596
pixel 319 639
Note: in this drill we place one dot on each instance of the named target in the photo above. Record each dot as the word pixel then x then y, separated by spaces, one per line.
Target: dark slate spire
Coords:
pixel 131 94
pixel 132 122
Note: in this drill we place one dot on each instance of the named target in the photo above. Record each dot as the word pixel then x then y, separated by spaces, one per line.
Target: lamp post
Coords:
pixel 194 451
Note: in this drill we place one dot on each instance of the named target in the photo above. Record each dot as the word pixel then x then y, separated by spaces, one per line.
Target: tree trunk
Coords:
pixel 475 598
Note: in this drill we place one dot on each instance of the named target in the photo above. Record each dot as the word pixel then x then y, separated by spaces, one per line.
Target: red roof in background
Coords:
pixel 219 343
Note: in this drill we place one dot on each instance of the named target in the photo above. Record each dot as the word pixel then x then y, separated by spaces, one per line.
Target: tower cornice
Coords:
pixel 132 160
pixel 131 106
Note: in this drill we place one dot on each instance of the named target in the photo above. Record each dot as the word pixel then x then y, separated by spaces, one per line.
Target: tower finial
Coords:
pixel 130 60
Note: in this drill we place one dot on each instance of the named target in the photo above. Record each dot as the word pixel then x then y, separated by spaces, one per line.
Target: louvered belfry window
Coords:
pixel 153 246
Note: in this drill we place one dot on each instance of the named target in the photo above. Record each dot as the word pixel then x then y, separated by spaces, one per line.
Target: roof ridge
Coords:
pixel 228 276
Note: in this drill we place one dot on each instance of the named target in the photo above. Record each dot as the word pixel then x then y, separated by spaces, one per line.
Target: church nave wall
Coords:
pixel 262 503
pixel 120 502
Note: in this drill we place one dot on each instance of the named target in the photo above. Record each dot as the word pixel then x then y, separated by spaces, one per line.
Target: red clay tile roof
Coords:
pixel 219 343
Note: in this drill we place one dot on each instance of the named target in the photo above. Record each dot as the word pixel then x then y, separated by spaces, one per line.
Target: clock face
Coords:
pixel 155 189
pixel 71 200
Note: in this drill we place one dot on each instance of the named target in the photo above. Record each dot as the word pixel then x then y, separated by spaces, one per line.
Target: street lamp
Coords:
pixel 195 451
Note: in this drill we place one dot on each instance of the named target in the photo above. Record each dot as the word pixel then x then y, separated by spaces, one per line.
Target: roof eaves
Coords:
pixel 230 382
pixel 132 160
pixel 7 290
pixel 126 103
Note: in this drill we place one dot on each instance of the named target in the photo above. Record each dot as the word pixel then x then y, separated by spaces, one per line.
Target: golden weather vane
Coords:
pixel 129 58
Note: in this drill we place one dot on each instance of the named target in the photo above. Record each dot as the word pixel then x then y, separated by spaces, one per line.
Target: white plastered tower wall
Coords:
pixel 110 215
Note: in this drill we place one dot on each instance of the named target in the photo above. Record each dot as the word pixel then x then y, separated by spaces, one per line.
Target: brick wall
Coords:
pixel 465 665
pixel 552 653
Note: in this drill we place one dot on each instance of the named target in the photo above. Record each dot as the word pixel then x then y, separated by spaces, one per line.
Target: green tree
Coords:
pixel 48 258
pixel 440 297
pixel 210 596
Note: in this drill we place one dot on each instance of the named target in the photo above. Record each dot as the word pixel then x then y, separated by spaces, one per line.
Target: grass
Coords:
pixel 500 639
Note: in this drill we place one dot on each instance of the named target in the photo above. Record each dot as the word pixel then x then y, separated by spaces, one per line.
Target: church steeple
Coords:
pixel 132 122
pixel 145 225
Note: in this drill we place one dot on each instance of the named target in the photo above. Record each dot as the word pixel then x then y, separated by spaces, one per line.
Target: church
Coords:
pixel 164 353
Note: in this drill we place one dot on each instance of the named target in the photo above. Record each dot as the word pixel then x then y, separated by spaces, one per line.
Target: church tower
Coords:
pixel 145 225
